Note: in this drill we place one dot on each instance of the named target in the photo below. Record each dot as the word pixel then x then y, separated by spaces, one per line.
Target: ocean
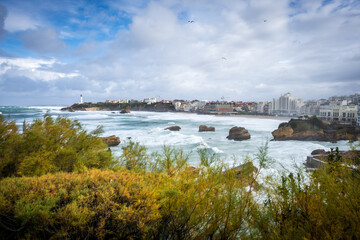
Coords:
pixel 147 128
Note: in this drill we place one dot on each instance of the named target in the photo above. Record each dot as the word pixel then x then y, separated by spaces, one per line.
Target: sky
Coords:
pixel 51 51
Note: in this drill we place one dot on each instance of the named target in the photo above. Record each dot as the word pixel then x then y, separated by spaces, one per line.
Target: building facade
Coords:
pixel 339 111
pixel 150 100
pixel 286 105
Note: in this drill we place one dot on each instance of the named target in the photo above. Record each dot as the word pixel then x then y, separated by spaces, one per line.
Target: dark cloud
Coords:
pixel 3 15
pixel 42 40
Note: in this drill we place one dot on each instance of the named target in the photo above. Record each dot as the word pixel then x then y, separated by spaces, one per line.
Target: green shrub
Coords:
pixel 326 206
pixel 48 146
pixel 96 205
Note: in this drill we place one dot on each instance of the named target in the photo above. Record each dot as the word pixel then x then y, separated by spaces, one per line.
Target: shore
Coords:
pixel 217 115
pixel 258 117
pixel 236 115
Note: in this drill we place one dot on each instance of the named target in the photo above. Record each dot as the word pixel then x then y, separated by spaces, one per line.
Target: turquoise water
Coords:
pixel 148 129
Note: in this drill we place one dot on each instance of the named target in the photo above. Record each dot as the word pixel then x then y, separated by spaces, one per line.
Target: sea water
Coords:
pixel 147 128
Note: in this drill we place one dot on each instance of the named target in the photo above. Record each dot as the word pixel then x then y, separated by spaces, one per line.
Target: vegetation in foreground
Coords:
pixel 67 185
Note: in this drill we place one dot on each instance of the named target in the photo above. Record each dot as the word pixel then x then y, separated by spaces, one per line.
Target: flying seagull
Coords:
pixel 223 58
pixel 265 20
pixel 191 21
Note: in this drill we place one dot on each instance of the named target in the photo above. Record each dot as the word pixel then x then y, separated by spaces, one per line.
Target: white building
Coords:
pixel 196 105
pixel 177 106
pixel 262 107
pixel 123 100
pixel 311 108
pixel 340 111
pixel 286 105
pixel 150 100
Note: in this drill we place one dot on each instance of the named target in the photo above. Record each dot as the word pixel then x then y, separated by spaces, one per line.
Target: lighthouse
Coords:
pixel 81 101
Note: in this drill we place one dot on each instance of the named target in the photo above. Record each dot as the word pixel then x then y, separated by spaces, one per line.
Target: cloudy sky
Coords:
pixel 52 51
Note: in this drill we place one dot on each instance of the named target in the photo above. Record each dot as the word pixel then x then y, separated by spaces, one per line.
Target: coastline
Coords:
pixel 229 115
pixel 283 118
pixel 258 117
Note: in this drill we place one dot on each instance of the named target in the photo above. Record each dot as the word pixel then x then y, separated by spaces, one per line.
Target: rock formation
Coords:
pixel 126 110
pixel 111 141
pixel 313 129
pixel 238 134
pixel 173 128
pixel 319 157
pixel 318 152
pixel 69 109
pixel 204 128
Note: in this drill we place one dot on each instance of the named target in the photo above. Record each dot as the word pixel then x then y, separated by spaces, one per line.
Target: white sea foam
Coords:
pixel 147 128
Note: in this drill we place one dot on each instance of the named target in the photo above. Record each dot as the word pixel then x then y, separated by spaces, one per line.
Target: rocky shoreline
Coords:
pixel 100 106
pixel 320 157
pixel 313 129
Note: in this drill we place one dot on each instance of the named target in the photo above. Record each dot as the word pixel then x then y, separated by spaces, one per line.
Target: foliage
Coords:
pixel 134 156
pixel 160 196
pixel 96 204
pixel 168 201
pixel 49 146
pixel 324 207
pixel 309 124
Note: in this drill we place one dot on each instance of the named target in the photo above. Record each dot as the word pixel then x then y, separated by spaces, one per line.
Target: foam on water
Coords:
pixel 147 128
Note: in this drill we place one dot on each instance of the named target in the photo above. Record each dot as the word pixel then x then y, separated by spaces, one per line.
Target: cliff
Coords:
pixel 313 129
pixel 101 106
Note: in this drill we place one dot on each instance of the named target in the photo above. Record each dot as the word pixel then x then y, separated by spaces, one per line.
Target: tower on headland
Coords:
pixel 81 100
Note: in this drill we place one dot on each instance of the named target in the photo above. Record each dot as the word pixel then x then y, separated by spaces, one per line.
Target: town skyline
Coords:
pixel 52 51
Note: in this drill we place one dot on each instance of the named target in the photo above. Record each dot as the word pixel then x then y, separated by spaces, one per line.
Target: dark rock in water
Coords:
pixel 318 151
pixel 238 134
pixel 111 141
pixel 204 128
pixel 69 109
pixel 126 110
pixel 129 138
pixel 113 112
pixel 173 128
pixel 314 129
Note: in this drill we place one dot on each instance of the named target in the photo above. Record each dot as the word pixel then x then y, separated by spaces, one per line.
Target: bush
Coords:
pixel 49 146
pixel 171 202
pixel 96 205
pixel 324 207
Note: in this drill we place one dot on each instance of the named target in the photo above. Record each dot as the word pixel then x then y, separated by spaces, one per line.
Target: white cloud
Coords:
pixel 245 50
pixel 34 69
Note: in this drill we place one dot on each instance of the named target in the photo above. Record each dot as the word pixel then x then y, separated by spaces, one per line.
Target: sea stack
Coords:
pixel 173 128
pixel 204 128
pixel 238 134
pixel 126 110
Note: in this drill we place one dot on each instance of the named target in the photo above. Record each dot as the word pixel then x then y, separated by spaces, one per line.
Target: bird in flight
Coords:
pixel 265 20
pixel 223 58
pixel 191 21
